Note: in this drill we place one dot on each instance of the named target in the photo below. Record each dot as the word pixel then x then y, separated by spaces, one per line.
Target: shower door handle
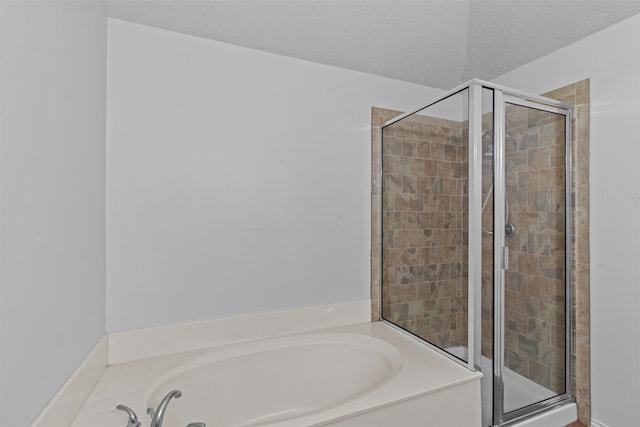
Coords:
pixel 505 257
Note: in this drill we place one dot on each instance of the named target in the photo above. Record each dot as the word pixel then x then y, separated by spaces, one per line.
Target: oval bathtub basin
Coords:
pixel 275 380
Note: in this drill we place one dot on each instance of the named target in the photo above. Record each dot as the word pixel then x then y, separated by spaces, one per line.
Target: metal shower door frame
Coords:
pixel 502 97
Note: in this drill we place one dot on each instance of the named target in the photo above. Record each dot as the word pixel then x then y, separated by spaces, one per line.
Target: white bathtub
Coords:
pixel 277 379
pixel 367 374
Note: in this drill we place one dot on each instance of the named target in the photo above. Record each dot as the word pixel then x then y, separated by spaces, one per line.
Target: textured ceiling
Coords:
pixel 439 43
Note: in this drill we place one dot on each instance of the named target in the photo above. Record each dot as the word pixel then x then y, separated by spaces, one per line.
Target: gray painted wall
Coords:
pixel 52 197
pixel 238 181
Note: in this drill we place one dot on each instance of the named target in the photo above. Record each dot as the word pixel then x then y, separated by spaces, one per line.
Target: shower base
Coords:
pixel 520 392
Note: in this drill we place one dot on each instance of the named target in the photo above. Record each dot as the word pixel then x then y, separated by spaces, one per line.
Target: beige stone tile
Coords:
pixel 392 183
pixel 527 140
pixel 551 178
pixel 516 116
pixel 558 155
pixel 392 257
pixel 408 256
pixel 385 115
pixel 458 171
pixel 557 337
pixel 517 362
pixel 552 356
pixel 444 135
pixel 418 131
pixel 528 306
pixel 443 203
pixel 451 153
pixel 582 301
pixel 401 201
pixel 539 330
pixel 431 133
pixel 437 151
pixel 552 267
pixel 402 165
pixel 583 380
pixel 417 167
pixel 402 129
pixel 558 381
pixel 539 158
pixel 423 149
pixel 389 276
pixel 552 312
pixel 517 162
pixel 540 373
pixel 540 287
pixel 582 92
pixel 392 220
pixel 409 184
pixel 391 145
pixel 444 169
pixel 431 167
pixel 528 263
pixel 399 312
pixel 564 94
pixel 388 164
pixel 409 148
pixel 552 133
pixel 387 202
pixel 456 137
pixel 527 180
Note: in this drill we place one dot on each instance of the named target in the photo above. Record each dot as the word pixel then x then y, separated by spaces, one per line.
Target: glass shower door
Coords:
pixel 533 277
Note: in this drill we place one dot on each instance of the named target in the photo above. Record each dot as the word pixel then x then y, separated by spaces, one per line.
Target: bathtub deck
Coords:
pixel 427 381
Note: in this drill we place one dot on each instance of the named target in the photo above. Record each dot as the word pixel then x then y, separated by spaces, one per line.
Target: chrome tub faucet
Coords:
pixel 158 414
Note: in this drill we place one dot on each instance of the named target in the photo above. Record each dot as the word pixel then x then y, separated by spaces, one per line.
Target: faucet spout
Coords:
pixel 158 414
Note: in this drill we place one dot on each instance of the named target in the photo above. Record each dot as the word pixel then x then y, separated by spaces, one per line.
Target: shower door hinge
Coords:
pixel 505 257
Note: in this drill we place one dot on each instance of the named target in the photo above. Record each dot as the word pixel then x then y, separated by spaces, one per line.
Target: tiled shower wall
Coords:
pixel 424 231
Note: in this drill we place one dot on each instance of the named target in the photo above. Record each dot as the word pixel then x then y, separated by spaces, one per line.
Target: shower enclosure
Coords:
pixel 475 246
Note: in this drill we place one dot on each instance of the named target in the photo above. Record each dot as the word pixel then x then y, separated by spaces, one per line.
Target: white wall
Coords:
pixel 52 210
pixel 238 181
pixel 611 59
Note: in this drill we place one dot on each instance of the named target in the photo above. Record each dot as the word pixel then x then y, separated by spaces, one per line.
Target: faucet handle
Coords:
pixel 133 418
pixel 196 425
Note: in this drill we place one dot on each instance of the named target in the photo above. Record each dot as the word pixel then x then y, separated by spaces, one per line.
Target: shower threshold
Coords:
pixel 520 391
